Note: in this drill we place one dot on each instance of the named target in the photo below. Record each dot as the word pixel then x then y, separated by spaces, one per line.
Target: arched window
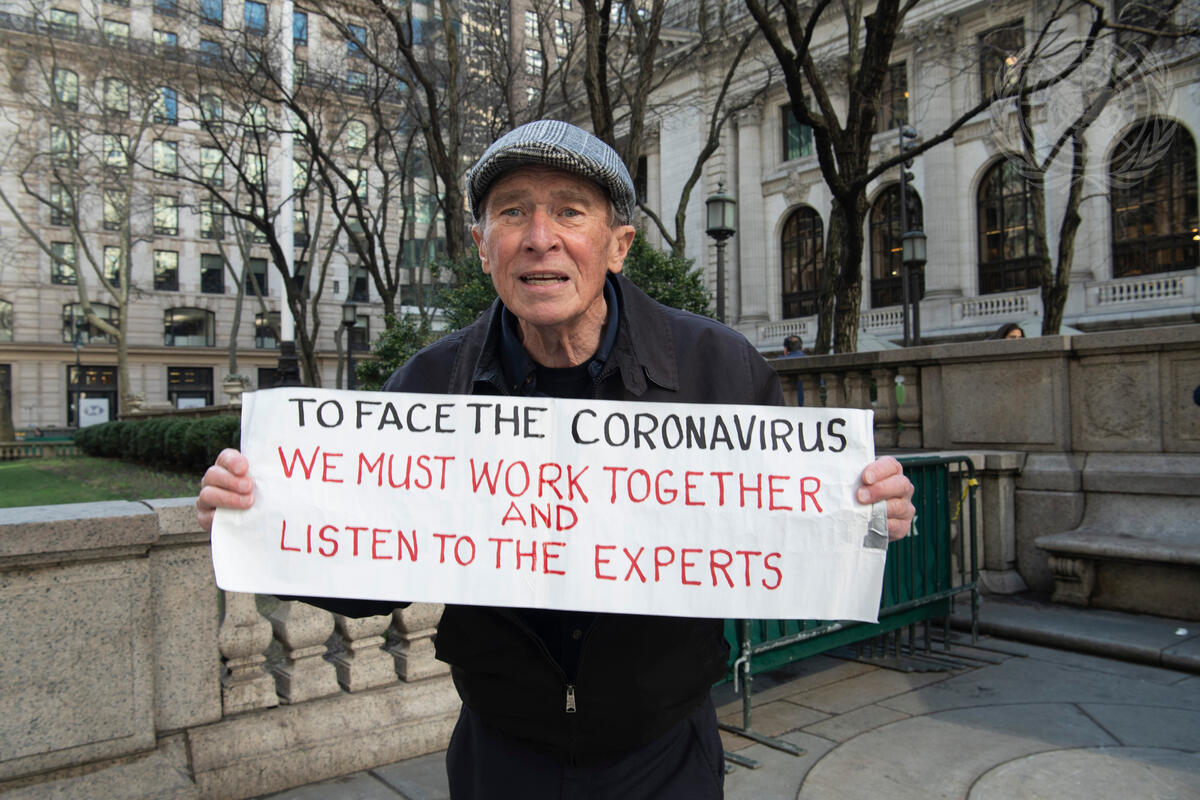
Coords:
pixel 887 288
pixel 1007 253
pixel 76 327
pixel 1154 219
pixel 189 327
pixel 6 321
pixel 802 249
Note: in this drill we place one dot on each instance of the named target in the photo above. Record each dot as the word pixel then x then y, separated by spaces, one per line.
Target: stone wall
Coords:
pixel 127 673
pixel 1079 433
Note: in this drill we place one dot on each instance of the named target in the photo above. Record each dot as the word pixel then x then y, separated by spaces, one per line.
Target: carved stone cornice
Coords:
pixel 799 184
pixel 752 114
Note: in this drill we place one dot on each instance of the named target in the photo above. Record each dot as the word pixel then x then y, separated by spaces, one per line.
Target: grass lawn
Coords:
pixel 83 479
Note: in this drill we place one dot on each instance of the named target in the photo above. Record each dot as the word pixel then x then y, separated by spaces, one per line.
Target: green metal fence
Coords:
pixel 924 571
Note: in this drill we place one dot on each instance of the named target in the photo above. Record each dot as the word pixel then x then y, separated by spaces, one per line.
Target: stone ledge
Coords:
pixel 1131 473
pixel 275 749
pixel 1091 543
pixel 75 531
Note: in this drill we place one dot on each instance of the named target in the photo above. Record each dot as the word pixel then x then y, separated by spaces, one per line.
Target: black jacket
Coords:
pixel 637 675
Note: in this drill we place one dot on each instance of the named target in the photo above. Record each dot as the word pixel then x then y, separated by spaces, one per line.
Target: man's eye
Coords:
pixel 510 212
pixel 571 212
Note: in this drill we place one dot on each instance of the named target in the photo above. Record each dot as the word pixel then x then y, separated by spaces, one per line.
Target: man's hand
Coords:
pixel 884 480
pixel 226 484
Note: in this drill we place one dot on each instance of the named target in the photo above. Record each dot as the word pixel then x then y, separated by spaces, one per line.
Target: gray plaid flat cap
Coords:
pixel 561 145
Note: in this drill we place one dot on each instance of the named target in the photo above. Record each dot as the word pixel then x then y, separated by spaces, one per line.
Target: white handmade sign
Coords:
pixel 680 510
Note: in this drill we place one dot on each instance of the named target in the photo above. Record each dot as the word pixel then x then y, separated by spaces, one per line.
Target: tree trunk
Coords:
pixel 1054 293
pixel 849 282
pixel 7 433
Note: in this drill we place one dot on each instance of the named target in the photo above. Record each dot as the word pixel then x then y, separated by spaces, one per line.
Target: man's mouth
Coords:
pixel 543 280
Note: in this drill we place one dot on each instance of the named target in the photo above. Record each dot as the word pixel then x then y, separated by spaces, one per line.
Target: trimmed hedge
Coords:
pixel 182 445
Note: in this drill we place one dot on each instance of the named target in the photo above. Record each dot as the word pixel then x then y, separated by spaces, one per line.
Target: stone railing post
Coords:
pixel 858 389
pixel 415 627
pixel 363 664
pixel 811 383
pixel 243 639
pixel 909 412
pixel 885 407
pixel 998 512
pixel 835 395
pixel 304 674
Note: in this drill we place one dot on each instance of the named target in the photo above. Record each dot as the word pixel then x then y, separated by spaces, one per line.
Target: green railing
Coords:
pixel 924 572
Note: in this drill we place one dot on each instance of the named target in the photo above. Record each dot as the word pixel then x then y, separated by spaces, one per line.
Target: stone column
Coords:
pixel 304 673
pixel 835 394
pixel 858 389
pixel 909 412
pixel 243 639
pixel 752 243
pixel 363 664
pixel 885 407
pixel 998 516
pixel 415 627
pixel 937 178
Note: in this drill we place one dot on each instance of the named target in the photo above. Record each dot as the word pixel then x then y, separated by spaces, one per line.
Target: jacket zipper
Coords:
pixel 570 698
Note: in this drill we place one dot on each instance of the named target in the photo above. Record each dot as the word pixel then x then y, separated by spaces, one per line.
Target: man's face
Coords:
pixel 547 241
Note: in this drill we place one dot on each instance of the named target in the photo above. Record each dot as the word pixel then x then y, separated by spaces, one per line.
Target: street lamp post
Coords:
pixel 912 248
pixel 78 373
pixel 721 210
pixel 349 320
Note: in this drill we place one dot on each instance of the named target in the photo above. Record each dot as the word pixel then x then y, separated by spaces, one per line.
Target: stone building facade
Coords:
pixel 1136 254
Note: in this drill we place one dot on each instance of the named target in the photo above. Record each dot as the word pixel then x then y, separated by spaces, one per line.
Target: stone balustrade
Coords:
pixel 127 673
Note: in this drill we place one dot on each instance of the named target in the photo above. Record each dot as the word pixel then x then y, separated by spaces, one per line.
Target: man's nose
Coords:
pixel 541 236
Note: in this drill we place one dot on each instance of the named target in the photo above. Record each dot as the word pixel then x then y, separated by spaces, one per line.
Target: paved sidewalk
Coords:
pixel 1015 721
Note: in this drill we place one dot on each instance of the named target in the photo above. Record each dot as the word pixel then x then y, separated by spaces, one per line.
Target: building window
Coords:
pixel 641 179
pixel 360 334
pixel 112 264
pixel 802 248
pixel 1154 219
pixel 356 81
pixel 212 219
pixel 62 205
pixel 892 111
pixel 797 138
pixel 359 291
pixel 355 136
pixel 562 36
pixel 166 41
pixel 299 28
pixel 1007 254
pixel 356 41
pixel 63 149
pixel 210 51
pixel 165 7
pixel 189 327
pixel 212 274
pixel 212 12
pixel 211 170
pixel 115 207
pixel 299 71
pixel 91 395
pixel 6 321
pixel 66 88
pixel 887 288
pixel 999 50
pixel 533 61
pixel 166 270
pixel 116 33
pixel 64 23
pixel 531 26
pixel 76 327
pixel 357 178
pixel 166 106
pixel 212 110
pixel 116 96
pixel 166 214
pixel 166 157
pixel 116 153
pixel 266 330
pixel 299 227
pixel 190 387
pixel 255 118
pixel 256 276
pixel 254 17
pixel 267 376
pixel 62 263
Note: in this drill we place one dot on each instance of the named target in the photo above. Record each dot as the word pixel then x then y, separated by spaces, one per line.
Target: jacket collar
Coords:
pixel 641 345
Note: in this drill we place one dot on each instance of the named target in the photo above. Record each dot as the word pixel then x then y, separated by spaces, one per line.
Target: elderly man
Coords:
pixel 560 704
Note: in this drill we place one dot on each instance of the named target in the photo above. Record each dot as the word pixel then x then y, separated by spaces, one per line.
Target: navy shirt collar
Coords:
pixel 520 370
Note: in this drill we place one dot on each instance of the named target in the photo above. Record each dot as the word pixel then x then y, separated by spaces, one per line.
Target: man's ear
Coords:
pixel 477 235
pixel 622 241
